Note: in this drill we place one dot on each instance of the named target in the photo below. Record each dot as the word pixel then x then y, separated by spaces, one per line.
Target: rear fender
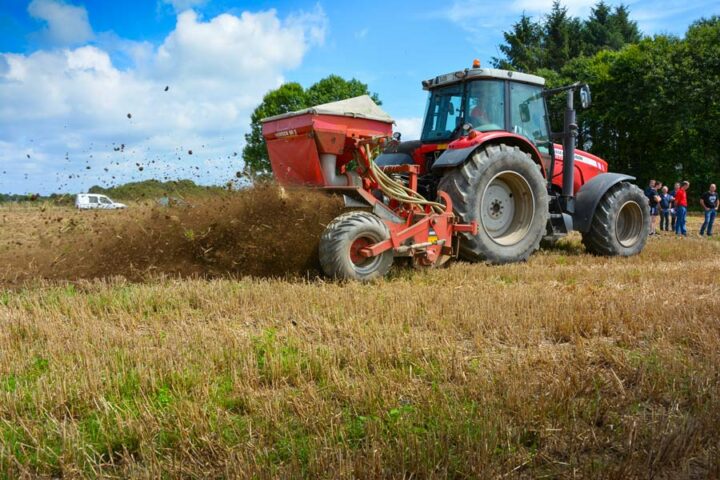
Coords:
pixel 463 148
pixel 589 196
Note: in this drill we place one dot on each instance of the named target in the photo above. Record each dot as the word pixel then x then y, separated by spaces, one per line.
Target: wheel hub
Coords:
pixel 356 256
pixel 500 207
pixel 496 209
pixel 507 208
pixel 629 224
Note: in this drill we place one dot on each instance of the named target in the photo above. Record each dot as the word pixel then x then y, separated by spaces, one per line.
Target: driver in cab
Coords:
pixel 480 119
pixel 478 116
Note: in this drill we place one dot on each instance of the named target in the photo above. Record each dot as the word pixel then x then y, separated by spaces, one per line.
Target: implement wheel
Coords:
pixel 502 189
pixel 342 241
pixel 621 223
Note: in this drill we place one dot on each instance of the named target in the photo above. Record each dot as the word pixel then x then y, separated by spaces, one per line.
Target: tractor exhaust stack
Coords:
pixel 570 131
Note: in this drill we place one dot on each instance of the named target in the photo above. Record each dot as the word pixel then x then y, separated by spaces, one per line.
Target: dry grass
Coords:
pixel 569 366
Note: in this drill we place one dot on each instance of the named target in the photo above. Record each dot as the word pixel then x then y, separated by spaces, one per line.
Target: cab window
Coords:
pixel 527 112
pixel 486 105
pixel 105 200
pixel 444 113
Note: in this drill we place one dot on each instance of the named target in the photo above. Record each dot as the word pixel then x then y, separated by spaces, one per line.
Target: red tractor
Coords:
pixel 485 182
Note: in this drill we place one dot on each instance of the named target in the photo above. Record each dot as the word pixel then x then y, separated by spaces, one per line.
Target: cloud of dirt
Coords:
pixel 262 231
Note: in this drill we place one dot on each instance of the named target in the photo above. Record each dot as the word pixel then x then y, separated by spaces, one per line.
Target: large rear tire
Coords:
pixel 342 241
pixel 503 190
pixel 621 223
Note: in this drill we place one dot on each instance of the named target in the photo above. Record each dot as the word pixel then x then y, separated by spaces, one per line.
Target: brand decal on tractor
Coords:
pixel 587 161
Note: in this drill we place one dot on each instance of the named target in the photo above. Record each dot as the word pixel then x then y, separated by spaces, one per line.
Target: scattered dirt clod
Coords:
pixel 249 232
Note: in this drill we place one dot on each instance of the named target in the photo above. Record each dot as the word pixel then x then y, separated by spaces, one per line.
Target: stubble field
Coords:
pixel 568 366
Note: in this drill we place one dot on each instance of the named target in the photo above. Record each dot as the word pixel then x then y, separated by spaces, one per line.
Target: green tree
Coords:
pixel 652 113
pixel 290 97
pixel 608 29
pixel 557 31
pixel 627 29
pixel 699 84
pixel 334 88
pixel 522 49
pixel 598 32
pixel 559 38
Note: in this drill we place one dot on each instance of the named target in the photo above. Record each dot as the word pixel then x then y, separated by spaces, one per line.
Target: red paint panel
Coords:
pixel 295 161
pixel 329 141
pixel 587 166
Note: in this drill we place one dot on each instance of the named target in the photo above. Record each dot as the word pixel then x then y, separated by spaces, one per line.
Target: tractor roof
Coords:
pixel 479 73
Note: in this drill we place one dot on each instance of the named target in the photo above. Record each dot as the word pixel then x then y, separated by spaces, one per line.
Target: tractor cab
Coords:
pixel 479 102
pixel 470 107
pixel 485 100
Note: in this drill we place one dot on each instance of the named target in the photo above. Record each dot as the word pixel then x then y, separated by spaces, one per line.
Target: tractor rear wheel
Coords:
pixel 620 224
pixel 342 241
pixel 503 190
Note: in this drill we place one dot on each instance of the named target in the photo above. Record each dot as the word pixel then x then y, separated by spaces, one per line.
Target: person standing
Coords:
pixel 653 199
pixel 673 213
pixel 709 201
pixel 681 209
pixel 665 203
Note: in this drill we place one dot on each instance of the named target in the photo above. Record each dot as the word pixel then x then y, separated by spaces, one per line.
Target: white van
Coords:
pixel 93 200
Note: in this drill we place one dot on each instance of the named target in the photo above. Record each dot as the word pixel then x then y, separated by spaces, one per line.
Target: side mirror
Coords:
pixel 451 109
pixel 524 113
pixel 585 96
pixel 397 136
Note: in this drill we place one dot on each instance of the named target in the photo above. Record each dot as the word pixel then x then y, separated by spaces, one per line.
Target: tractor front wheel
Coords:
pixel 342 242
pixel 621 223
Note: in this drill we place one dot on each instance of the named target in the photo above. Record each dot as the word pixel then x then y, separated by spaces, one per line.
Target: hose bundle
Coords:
pixel 396 190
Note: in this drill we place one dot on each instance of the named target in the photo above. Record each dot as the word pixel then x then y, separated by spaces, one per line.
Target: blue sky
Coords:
pixel 72 71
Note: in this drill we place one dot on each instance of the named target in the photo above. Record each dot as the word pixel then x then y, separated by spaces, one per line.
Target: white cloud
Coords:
pixel 575 7
pixel 314 23
pixel 229 48
pixel 76 101
pixel 662 16
pixel 409 127
pixel 477 16
pixel 66 24
pixel 483 12
pixel 182 5
pixel 483 20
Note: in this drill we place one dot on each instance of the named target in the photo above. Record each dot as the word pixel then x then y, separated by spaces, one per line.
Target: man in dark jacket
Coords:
pixel 709 202
pixel 653 200
pixel 665 204
pixel 673 211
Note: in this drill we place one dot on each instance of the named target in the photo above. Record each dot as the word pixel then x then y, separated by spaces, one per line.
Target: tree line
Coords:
pixel 656 99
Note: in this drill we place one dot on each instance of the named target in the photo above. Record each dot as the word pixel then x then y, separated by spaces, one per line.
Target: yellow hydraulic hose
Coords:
pixel 396 190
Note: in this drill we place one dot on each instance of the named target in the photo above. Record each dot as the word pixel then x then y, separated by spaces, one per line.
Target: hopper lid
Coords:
pixel 359 107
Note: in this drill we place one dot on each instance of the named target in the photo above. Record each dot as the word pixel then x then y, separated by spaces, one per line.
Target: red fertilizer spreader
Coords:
pixel 332 147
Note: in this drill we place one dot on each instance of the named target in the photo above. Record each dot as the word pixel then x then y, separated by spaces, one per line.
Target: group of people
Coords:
pixel 671 207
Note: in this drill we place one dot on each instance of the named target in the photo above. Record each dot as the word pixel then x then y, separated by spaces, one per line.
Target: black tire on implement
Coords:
pixel 502 189
pixel 344 237
pixel 620 224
